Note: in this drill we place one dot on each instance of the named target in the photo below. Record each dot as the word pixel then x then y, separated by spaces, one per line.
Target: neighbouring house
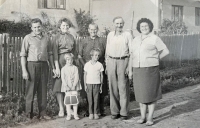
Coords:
pixel 156 10
pixel 105 10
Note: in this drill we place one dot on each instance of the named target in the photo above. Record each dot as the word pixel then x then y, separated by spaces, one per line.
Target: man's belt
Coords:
pixel 123 57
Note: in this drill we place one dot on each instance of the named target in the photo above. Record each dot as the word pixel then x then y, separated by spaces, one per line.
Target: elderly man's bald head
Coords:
pixel 118 17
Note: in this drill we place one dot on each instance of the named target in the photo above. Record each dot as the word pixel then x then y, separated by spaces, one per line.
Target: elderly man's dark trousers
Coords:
pixel 37 82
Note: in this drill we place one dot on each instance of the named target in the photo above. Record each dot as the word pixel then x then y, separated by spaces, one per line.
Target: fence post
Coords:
pixel 8 63
pixel 1 72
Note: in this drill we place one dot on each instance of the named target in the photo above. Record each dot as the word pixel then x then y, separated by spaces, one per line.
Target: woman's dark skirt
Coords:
pixel 147 84
pixel 57 81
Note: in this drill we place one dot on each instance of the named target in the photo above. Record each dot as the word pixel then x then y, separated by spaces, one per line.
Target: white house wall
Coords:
pixel 106 10
pixel 30 7
pixel 188 12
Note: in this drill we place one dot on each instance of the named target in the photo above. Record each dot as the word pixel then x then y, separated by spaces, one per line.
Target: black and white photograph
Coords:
pixel 99 63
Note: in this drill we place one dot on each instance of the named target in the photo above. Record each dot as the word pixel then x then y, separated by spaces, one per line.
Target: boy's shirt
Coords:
pixel 93 72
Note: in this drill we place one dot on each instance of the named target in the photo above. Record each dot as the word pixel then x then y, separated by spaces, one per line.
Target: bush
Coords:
pixel 173 27
pixel 83 19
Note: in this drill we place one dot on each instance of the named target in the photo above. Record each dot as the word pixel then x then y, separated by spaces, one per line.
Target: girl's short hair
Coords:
pixel 68 55
pixel 95 50
pixel 148 21
pixel 66 20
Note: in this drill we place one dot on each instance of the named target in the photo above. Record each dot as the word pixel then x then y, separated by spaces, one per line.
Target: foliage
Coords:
pixel 173 27
pixel 22 27
pixel 83 19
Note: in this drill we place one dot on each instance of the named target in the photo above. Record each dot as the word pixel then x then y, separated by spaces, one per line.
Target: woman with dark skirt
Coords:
pixel 63 42
pixel 146 51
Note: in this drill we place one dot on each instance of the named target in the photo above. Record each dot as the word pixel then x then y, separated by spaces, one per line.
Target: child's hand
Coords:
pixel 100 89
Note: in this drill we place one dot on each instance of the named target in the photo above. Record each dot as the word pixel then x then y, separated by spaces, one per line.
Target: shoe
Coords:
pixel 68 118
pixel 141 121
pixel 96 116
pixel 123 117
pixel 86 114
pixel 91 116
pixel 115 116
pixel 102 114
pixel 61 113
pixel 149 123
pixel 45 117
pixel 76 117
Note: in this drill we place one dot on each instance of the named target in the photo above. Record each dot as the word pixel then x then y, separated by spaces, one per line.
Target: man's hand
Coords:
pixel 54 73
pixel 127 71
pixel 25 75
pixel 57 72
pixel 86 88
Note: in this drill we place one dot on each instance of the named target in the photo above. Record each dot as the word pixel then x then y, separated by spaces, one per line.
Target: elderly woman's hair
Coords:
pixel 118 17
pixel 66 20
pixel 95 50
pixel 36 20
pixel 93 24
pixel 148 21
pixel 68 55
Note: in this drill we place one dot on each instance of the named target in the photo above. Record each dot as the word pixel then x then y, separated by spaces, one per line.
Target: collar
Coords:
pixel 149 35
pixel 34 35
pixel 119 33
pixel 94 38
pixel 64 33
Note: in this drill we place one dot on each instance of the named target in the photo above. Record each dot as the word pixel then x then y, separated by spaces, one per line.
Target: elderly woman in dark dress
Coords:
pixel 63 43
pixel 146 51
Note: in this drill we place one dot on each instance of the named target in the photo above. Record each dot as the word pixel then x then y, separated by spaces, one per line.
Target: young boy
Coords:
pixel 70 82
pixel 93 80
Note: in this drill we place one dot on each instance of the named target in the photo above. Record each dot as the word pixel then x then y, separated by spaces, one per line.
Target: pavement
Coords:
pixel 177 109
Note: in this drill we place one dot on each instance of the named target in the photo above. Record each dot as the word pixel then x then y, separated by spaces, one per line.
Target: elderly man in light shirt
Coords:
pixel 117 57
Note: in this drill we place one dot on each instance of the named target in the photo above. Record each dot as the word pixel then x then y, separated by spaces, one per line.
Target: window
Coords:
pixel 51 4
pixel 177 13
pixel 197 16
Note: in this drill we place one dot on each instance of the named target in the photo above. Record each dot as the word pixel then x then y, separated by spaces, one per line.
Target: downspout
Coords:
pixel 160 9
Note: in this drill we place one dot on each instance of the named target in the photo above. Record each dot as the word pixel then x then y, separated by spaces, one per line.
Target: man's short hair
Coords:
pixel 68 55
pixel 95 50
pixel 66 20
pixel 118 17
pixel 93 25
pixel 35 20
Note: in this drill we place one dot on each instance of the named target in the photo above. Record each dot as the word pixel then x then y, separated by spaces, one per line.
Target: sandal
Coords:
pixel 149 123
pixel 141 121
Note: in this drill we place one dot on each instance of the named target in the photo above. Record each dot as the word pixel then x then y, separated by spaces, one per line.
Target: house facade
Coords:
pixel 105 10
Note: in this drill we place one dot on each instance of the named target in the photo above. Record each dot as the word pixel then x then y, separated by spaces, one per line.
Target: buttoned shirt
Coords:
pixel 87 44
pixel 63 43
pixel 145 52
pixel 36 48
pixel 118 45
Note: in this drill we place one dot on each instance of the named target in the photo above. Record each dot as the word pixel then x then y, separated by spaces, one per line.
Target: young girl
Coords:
pixel 93 80
pixel 70 82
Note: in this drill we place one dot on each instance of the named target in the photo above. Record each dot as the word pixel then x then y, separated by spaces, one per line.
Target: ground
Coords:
pixel 177 109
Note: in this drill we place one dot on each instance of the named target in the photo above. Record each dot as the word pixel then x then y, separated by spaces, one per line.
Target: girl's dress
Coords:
pixel 69 75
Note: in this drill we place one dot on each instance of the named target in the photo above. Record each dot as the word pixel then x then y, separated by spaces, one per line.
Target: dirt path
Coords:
pixel 177 109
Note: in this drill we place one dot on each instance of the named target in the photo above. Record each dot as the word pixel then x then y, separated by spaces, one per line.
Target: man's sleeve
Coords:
pixel 24 48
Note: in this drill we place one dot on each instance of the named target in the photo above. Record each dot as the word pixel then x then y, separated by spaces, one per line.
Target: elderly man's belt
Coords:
pixel 123 57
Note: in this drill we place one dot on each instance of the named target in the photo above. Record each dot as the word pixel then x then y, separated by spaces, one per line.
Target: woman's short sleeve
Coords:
pixel 159 44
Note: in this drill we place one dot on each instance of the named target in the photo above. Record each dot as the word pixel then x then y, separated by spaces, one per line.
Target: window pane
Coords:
pixel 41 3
pixel 60 4
pixel 51 3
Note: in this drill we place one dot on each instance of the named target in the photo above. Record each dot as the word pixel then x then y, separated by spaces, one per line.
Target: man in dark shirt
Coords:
pixel 85 46
pixel 35 52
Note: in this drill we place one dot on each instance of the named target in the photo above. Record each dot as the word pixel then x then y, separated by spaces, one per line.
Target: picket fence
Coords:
pixel 183 49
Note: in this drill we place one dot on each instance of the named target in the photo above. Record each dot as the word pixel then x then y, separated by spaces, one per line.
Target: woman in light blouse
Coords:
pixel 146 51
pixel 63 42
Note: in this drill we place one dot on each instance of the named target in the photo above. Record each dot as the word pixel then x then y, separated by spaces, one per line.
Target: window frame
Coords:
pixel 173 12
pixel 197 16
pixel 46 7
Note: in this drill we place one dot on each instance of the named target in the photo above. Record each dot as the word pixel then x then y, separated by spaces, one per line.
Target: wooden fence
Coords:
pixel 183 49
